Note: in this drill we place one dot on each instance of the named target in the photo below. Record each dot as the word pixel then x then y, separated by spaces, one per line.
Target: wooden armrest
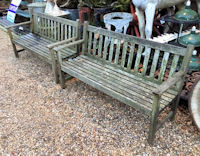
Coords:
pixel 69 45
pixel 19 24
pixel 169 83
pixel 50 46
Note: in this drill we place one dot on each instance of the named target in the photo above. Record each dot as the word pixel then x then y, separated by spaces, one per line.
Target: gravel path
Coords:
pixel 37 117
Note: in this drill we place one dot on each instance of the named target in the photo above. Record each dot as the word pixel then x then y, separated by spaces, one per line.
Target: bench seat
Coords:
pixel 123 86
pixel 38 44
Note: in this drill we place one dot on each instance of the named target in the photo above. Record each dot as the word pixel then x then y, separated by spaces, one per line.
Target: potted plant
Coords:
pixel 122 5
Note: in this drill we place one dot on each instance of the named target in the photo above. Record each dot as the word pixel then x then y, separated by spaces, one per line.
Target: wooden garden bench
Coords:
pixel 113 63
pixel 46 33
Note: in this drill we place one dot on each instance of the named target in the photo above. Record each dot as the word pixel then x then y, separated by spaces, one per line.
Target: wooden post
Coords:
pixel 54 65
pixel 13 45
pixel 85 37
pixel 154 118
pixel 32 20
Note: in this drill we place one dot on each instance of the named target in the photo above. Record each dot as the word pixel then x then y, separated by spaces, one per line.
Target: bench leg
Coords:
pixel 174 108
pixel 154 119
pixel 55 72
pixel 176 103
pixel 15 50
pixel 54 66
pixel 13 45
pixel 62 78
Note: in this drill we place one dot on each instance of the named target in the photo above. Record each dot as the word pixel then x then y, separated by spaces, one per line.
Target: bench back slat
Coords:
pixel 154 64
pixel 131 55
pixel 100 46
pixel 125 52
pixel 55 28
pixel 138 59
pixel 117 51
pixel 110 54
pixel 163 66
pixel 106 44
pixel 90 42
pixel 94 52
pixel 174 65
pixel 146 61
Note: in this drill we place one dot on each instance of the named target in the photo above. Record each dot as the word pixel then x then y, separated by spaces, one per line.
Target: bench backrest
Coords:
pixel 54 28
pixel 125 53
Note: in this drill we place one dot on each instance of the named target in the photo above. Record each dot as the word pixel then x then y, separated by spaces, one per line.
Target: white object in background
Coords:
pixel 16 2
pixel 49 7
pixel 188 3
pixel 194 53
pixel 12 10
pixel 56 9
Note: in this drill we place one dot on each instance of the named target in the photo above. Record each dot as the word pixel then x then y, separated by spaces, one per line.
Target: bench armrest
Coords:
pixel 51 46
pixel 69 45
pixel 169 83
pixel 19 24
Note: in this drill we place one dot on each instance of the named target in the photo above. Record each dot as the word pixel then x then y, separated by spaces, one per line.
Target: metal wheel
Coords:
pixel 194 103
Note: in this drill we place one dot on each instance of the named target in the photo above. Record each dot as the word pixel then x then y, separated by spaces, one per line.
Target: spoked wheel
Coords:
pixel 194 103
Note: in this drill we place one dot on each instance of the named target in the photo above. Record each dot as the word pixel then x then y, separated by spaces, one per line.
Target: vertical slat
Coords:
pixel 90 42
pixel 111 49
pixel 52 29
pixel 36 24
pixel 146 60
pixel 154 64
pixel 105 50
pixel 174 65
pixel 117 51
pixel 49 31
pixel 32 20
pixel 45 27
pixel 95 44
pixel 138 59
pixel 100 45
pixel 58 25
pixel 85 36
pixel 62 32
pixel 66 35
pixel 69 32
pixel 55 30
pixel 130 58
pixel 163 66
pixel 124 52
pixel 73 31
pixel 40 25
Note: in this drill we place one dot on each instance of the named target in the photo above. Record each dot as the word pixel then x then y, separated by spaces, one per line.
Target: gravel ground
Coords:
pixel 37 117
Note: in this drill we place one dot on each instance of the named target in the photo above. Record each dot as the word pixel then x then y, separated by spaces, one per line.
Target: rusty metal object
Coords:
pixel 190 81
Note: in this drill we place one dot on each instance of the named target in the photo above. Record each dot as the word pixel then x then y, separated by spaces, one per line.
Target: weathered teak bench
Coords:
pixel 46 33
pixel 113 63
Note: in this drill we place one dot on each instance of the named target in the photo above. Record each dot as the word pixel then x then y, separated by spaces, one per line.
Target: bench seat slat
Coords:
pixel 128 76
pixel 120 77
pixel 38 45
pixel 79 65
pixel 41 43
pixel 129 87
